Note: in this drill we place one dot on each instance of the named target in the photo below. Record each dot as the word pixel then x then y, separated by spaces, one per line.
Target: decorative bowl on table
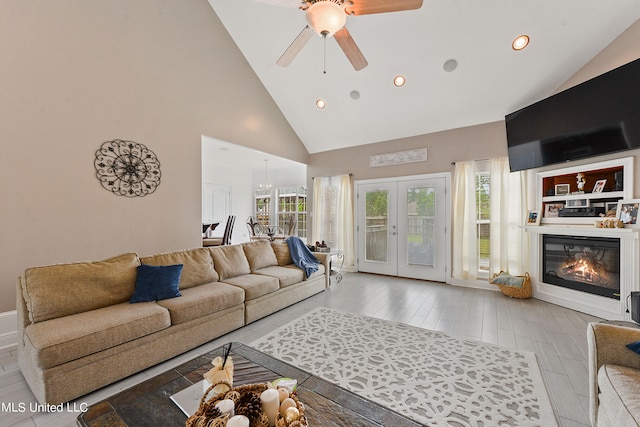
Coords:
pixel 247 402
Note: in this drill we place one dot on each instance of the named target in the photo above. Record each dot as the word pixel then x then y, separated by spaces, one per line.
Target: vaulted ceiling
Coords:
pixel 490 80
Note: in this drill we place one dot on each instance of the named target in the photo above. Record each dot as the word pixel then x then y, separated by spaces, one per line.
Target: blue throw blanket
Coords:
pixel 302 256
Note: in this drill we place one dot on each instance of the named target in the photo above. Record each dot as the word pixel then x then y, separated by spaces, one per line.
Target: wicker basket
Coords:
pixel 514 291
pixel 201 419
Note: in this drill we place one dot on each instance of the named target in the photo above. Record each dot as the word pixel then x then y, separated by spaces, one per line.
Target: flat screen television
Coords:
pixel 597 117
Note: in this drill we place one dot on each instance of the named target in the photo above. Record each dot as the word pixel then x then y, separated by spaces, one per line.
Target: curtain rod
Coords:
pixel 477 160
pixel 313 177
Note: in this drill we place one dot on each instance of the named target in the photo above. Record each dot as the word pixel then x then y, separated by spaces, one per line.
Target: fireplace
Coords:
pixel 587 264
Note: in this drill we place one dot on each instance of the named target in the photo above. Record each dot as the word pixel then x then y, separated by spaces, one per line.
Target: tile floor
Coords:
pixel 556 334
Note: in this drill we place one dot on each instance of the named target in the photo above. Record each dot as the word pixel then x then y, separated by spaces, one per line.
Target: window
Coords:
pixel 483 218
pixel 292 206
pixel 263 207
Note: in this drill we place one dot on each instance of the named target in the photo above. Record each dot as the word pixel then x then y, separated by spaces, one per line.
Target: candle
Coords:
pixel 270 404
pixel 238 421
pixel 226 406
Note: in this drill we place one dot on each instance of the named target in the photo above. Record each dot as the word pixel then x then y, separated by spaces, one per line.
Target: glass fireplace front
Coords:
pixel 587 264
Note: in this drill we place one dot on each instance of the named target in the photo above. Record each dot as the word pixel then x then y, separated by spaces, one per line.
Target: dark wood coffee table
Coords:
pixel 149 403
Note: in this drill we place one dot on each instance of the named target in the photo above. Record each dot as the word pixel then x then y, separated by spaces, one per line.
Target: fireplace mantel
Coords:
pixel 595 305
pixel 583 230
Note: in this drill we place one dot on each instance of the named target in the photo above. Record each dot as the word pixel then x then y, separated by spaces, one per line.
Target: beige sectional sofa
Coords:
pixel 614 372
pixel 77 330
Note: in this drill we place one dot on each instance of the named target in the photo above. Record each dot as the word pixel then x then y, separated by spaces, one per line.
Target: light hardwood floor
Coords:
pixel 556 334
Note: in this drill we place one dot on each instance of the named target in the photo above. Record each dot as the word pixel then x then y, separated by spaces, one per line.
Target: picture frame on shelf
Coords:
pixel 562 189
pixel 533 217
pixel 598 187
pixel 552 210
pixel 627 212
pixel 610 207
pixel 577 203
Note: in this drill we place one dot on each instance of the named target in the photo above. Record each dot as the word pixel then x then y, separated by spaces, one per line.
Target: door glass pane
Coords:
pixel 377 221
pixel 421 203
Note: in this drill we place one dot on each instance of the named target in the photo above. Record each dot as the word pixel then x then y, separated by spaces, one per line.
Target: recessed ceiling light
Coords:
pixel 399 81
pixel 520 42
pixel 354 95
pixel 320 103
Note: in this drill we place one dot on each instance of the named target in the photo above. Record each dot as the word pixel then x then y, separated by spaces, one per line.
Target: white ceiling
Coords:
pixel 234 156
pixel 491 79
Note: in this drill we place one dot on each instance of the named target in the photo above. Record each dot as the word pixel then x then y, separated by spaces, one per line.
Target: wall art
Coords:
pixel 401 157
pixel 127 168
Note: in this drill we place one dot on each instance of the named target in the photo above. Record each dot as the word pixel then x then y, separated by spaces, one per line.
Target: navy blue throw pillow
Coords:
pixel 635 346
pixel 156 282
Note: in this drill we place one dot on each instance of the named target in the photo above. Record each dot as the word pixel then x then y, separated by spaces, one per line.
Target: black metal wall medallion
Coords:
pixel 127 168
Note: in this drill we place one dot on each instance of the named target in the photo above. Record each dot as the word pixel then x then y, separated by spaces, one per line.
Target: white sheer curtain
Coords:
pixel 465 239
pixel 509 243
pixel 333 214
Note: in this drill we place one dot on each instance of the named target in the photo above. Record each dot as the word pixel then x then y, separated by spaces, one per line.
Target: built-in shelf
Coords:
pixel 558 189
pixel 588 196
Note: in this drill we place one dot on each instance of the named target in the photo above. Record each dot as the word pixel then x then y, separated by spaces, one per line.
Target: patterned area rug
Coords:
pixel 425 375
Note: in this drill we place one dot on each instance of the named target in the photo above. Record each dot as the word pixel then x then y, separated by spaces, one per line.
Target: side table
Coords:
pixel 336 270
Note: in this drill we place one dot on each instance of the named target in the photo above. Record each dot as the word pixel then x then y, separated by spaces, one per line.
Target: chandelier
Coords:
pixel 265 186
pixel 326 17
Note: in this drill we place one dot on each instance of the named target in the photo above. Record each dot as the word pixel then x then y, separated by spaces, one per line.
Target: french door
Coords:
pixel 401 227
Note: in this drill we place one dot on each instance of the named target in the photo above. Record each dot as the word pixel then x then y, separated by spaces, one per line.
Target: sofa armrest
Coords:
pixel 22 313
pixel 608 345
pixel 325 260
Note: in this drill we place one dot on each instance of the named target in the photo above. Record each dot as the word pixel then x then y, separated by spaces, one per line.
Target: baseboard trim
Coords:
pixel 477 284
pixel 8 329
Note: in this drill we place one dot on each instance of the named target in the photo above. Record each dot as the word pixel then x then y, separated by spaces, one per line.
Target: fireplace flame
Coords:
pixel 584 269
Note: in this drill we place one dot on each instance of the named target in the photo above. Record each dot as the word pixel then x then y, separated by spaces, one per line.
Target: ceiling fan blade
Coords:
pixel 295 47
pixel 367 7
pixel 350 48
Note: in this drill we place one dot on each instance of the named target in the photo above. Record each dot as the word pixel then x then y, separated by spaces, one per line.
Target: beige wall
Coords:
pixel 76 73
pixel 469 143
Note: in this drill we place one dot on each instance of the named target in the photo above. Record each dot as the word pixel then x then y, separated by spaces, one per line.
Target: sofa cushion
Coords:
pixel 281 249
pixel 157 282
pixel 65 289
pixel 254 285
pixel 63 339
pixel 197 265
pixel 619 397
pixel 286 276
pixel 199 301
pixel 315 274
pixel 229 261
pixel 259 254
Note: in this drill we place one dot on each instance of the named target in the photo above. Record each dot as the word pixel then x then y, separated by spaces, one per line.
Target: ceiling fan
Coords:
pixel 328 17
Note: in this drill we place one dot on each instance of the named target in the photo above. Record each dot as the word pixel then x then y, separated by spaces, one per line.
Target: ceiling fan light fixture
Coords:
pixel 326 17
pixel 520 42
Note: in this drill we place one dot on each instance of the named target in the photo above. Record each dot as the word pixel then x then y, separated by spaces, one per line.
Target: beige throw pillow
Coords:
pixel 64 289
pixel 281 250
pixel 260 254
pixel 229 261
